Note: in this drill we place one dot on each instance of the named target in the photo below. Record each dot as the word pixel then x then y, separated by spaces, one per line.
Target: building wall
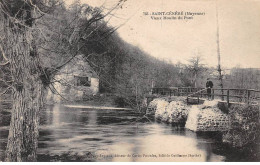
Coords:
pixel 65 84
pixel 94 85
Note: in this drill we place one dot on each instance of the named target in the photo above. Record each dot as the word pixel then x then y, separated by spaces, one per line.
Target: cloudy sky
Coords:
pixel 179 40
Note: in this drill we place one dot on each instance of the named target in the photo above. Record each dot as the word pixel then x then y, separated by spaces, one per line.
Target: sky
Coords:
pixel 179 40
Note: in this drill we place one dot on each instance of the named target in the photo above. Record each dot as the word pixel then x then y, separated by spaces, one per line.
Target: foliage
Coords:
pixel 245 126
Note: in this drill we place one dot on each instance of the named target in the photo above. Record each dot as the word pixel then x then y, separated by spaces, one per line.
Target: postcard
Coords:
pixel 129 80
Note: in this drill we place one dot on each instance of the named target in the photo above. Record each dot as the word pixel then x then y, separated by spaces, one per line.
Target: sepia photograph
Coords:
pixel 129 81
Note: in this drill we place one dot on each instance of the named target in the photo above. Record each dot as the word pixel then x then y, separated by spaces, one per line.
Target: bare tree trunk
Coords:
pixel 27 93
pixel 195 80
pixel 23 134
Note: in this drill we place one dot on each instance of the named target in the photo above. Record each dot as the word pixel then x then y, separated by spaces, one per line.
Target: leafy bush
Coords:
pixel 244 127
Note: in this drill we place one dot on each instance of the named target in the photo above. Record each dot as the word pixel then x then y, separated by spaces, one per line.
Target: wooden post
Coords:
pixel 228 98
pixel 198 99
pixel 212 96
pixel 248 96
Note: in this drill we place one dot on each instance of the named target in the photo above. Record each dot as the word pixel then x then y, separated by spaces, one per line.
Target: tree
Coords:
pixel 19 51
pixel 196 67
pixel 33 53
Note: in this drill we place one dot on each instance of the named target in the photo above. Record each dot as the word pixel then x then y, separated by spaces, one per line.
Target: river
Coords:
pixel 90 134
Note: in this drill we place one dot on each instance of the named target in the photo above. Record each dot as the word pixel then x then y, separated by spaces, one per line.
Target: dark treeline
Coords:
pixel 122 68
pixel 246 78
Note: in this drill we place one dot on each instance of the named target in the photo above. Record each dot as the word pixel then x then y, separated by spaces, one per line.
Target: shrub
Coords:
pixel 244 127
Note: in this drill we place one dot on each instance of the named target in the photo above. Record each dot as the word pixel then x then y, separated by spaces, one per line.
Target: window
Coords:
pixel 82 81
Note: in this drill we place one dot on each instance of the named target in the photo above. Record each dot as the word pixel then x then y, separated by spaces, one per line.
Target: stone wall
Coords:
pixel 204 117
pixel 207 117
pixel 171 110
pixel 152 106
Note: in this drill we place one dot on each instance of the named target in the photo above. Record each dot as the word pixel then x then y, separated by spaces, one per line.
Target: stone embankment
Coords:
pixel 205 117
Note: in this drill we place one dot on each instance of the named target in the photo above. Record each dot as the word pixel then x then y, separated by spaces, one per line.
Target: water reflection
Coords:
pixel 107 133
pixel 76 134
pixel 161 146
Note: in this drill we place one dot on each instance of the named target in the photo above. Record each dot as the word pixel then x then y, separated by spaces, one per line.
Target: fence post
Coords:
pixel 198 98
pixel 228 98
pixel 212 96
pixel 248 96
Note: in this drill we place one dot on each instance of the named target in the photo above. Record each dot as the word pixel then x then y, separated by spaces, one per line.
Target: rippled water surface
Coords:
pixel 78 134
